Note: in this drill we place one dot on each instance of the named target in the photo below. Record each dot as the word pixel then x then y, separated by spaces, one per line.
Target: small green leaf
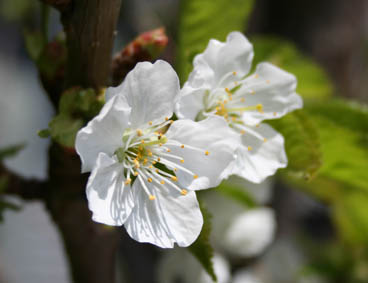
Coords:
pixel 63 129
pixel 237 193
pixel 10 150
pixel 201 20
pixel 202 248
pixel 34 44
pixel 301 143
pixel 45 133
pixel 313 82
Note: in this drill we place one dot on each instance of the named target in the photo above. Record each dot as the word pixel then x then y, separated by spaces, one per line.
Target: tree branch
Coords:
pixel 90 28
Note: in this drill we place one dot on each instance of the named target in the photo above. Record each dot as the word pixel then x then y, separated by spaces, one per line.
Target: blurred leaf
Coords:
pixel 10 150
pixel 45 133
pixel 351 216
pixel 5 204
pixel 16 10
pixel 237 193
pixel 34 44
pixel 301 143
pixel 202 248
pixel 343 130
pixel 64 128
pixel 313 82
pixel 201 20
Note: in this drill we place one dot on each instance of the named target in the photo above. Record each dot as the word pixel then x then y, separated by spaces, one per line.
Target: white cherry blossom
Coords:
pixel 219 85
pixel 146 167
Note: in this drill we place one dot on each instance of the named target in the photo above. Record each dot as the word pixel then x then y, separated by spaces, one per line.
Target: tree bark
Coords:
pixel 90 29
pixel 91 247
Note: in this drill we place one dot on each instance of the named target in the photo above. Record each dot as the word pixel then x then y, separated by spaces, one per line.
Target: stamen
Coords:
pixel 174 178
pixel 150 123
pixel 139 133
pixel 149 180
pixel 206 152
pixel 250 148
pixel 128 181
pixel 182 146
pixel 195 176
pixel 184 192
pixel 152 197
pixel 234 73
pixel 182 160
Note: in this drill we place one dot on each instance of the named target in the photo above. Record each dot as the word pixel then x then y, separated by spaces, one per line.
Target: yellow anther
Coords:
pixel 136 163
pixel 252 91
pixel 268 81
pixel 242 132
pixel 256 76
pixel 157 171
pixel 184 192
pixel 158 159
pixel 182 146
pixel 152 197
pixel 175 169
pixel 250 148
pixel 149 153
pixel 233 118
pixel 206 152
pixel 227 90
pixel 234 73
pixel 195 176
pixel 162 182
pixel 182 161
pixel 166 118
pixel 145 161
pixel 156 133
pixel 150 167
pixel 149 180
pixel 264 140
pixel 274 114
pixel 150 123
pixel 225 101
pixel 128 181
pixel 171 121
pixel 160 144
pixel 154 162
pixel 142 141
pixel 168 150
pixel 259 107
pixel 135 173
pixel 139 132
pixel 242 99
pixel 174 178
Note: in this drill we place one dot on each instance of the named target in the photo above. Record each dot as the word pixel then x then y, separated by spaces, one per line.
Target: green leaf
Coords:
pixel 34 44
pixel 64 128
pixel 343 130
pixel 202 248
pixel 10 151
pixel 313 82
pixel 45 133
pixel 237 193
pixel 301 144
pixel 201 20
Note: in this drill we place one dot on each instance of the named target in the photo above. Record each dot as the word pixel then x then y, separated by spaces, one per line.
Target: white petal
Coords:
pixel 150 90
pixel 250 232
pixel 234 55
pixel 109 200
pixel 274 89
pixel 261 155
pixel 214 68
pixel 212 135
pixel 245 276
pixel 168 219
pixel 103 133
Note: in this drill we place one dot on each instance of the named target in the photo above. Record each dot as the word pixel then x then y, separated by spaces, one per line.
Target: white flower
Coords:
pixel 250 232
pixel 145 167
pixel 238 231
pixel 218 85
pixel 180 264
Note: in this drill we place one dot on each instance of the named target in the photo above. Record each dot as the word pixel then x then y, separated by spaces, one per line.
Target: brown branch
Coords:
pixel 21 187
pixel 90 28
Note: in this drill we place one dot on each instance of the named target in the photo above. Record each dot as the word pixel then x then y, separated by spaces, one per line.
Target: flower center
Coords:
pixel 147 158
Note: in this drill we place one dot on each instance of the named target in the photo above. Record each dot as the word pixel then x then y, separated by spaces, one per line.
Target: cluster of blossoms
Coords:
pixel 145 167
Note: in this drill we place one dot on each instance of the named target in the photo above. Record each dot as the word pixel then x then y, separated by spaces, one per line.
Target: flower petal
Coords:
pixel 223 58
pixel 169 218
pixel 220 64
pixel 261 155
pixel 211 147
pixel 109 200
pixel 150 90
pixel 103 133
pixel 274 89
